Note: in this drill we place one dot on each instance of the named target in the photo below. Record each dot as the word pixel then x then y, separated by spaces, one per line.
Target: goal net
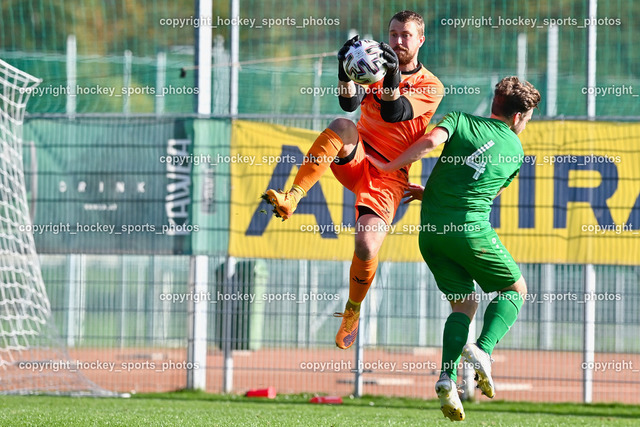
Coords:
pixel 32 358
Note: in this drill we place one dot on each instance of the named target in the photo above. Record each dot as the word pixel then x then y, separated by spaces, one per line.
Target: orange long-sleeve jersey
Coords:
pixel 423 90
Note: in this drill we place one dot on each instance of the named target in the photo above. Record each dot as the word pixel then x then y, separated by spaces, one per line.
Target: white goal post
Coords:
pixel 32 358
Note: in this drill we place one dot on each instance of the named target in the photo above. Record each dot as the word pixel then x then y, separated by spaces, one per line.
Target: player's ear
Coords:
pixel 519 117
pixel 422 40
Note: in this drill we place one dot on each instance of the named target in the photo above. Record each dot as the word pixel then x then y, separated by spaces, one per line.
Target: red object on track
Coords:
pixel 268 392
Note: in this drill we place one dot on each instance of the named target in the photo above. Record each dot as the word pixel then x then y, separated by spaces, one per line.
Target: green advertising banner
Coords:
pixel 211 186
pixel 110 185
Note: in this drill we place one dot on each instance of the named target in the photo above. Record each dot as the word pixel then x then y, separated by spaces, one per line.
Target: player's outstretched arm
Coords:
pixel 415 152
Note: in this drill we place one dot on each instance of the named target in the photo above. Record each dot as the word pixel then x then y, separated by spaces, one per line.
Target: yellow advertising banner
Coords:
pixel 576 199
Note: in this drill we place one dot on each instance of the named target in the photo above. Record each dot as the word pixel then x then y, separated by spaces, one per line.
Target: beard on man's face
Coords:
pixel 404 55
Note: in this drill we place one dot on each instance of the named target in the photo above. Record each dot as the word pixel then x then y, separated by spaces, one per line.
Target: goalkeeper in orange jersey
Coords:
pixel 395 113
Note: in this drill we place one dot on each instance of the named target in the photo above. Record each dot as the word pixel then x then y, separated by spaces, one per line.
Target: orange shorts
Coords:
pixel 379 191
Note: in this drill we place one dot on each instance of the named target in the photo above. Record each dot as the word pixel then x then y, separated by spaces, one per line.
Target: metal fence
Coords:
pixel 269 323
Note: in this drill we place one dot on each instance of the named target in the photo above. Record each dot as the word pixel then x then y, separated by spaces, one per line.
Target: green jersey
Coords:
pixel 480 156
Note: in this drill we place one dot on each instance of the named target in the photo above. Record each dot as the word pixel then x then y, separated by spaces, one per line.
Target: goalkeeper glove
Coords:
pixel 392 79
pixel 342 53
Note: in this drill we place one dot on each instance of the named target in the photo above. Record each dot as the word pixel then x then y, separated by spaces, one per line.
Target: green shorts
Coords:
pixel 456 260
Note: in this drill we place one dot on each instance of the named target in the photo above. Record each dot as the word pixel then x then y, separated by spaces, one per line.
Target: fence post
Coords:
pixel 124 293
pixel 126 82
pixel 227 319
pixel 203 57
pixel 592 49
pixel 589 332
pixel 161 81
pixel 197 323
pixel 304 326
pixel 317 82
pixel 72 59
pixel 552 71
pixel 620 311
pixel 76 277
pixel 235 58
pixel 422 303
pixel 359 370
pixel 545 331
pixel 522 56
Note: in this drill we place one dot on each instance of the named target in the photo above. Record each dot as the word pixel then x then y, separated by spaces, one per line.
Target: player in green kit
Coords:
pixel 481 157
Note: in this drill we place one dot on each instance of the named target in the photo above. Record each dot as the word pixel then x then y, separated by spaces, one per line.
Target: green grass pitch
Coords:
pixel 201 409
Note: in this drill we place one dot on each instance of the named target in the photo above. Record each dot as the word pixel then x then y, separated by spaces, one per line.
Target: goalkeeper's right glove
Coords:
pixel 392 79
pixel 342 53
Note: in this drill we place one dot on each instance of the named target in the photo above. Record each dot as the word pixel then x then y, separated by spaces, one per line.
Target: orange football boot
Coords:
pixel 348 331
pixel 284 202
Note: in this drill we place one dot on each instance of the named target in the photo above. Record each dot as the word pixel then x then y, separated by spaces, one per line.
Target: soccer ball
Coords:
pixel 363 62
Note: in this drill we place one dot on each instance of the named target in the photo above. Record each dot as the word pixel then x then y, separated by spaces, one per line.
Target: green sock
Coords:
pixel 456 332
pixel 499 317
